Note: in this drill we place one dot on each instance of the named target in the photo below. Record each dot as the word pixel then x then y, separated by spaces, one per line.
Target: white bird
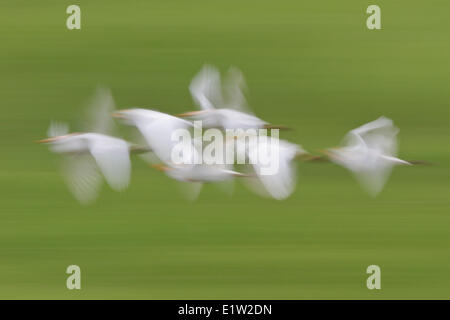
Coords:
pixel 156 127
pixel 219 111
pixel 369 152
pixel 274 164
pixel 88 156
pixel 197 173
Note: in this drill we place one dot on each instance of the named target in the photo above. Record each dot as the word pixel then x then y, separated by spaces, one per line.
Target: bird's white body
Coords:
pixel 370 153
pixel 157 128
pixel 190 171
pixel 228 119
pixel 83 142
pixel 197 174
pixel 201 173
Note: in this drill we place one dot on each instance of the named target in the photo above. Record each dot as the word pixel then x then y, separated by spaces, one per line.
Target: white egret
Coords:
pixel 227 111
pixel 197 174
pixel 89 155
pixel 369 152
pixel 156 128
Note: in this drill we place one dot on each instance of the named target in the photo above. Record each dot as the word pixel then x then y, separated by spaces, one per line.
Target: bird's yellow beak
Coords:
pixel 190 113
pixel 47 140
pixel 51 139
pixel 118 114
pixel 331 154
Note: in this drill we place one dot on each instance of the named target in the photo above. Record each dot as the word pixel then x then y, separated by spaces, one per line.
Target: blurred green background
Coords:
pixel 310 65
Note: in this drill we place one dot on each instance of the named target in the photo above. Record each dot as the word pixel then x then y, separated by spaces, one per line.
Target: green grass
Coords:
pixel 309 65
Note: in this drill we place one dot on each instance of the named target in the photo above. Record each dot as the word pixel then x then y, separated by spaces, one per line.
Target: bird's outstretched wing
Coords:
pixel 279 185
pixel 281 182
pixel 373 181
pixel 274 165
pixel 82 177
pixel 234 90
pixel 99 112
pixel 190 190
pixel 113 159
pixel 206 88
pixel 380 135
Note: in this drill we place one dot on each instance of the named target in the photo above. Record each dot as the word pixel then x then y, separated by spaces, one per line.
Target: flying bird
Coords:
pixel 196 174
pixel 222 106
pixel 90 155
pixel 157 129
pixel 369 152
